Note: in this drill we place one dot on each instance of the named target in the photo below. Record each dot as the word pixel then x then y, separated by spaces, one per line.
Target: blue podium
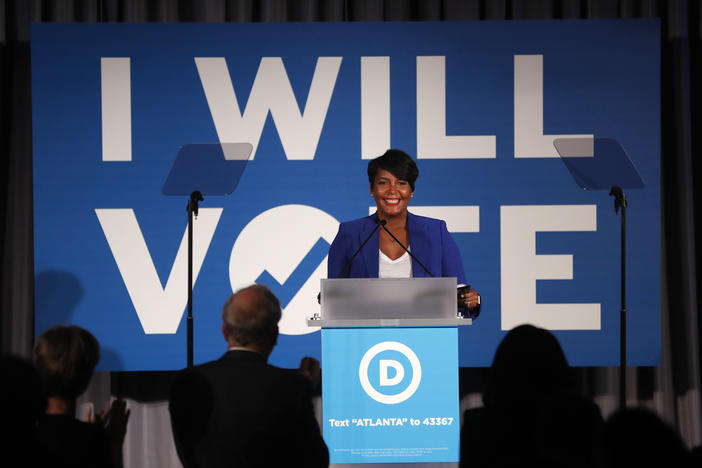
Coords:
pixel 390 369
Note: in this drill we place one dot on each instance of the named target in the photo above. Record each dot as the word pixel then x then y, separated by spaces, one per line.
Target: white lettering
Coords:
pixel 159 309
pixel 385 379
pixel 375 106
pixel 116 93
pixel 432 141
pixel 271 90
pixel 529 138
pixel 521 267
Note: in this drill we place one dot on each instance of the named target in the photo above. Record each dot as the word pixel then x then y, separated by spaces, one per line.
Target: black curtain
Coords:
pixel 672 389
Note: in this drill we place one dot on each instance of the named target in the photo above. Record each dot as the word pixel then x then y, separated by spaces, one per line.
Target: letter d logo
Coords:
pixel 385 379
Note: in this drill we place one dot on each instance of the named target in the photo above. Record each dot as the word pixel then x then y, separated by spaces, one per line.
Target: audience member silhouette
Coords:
pixel 241 411
pixel 22 404
pixel 532 415
pixel 695 457
pixel 65 357
pixel 638 437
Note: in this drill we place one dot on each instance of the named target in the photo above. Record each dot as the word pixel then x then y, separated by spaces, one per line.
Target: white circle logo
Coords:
pixel 286 248
pixel 385 364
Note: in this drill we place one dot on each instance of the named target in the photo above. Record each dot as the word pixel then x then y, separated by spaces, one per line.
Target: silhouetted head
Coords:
pixel 65 357
pixel 396 162
pixel 250 318
pixel 638 437
pixel 528 362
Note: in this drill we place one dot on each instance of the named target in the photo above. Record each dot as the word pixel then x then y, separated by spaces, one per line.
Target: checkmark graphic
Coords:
pixel 286 291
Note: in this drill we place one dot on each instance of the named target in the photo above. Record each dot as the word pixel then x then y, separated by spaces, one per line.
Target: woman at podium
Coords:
pixel 394 243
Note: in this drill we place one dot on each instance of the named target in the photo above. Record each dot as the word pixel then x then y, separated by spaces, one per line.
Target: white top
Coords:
pixel 399 268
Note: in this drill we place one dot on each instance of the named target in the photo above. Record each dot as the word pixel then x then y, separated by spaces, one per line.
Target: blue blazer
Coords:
pixel 429 240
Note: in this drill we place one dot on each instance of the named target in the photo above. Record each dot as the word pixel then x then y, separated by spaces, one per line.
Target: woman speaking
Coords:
pixel 373 247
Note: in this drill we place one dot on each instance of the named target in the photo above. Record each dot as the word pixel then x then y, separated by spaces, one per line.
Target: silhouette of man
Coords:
pixel 239 410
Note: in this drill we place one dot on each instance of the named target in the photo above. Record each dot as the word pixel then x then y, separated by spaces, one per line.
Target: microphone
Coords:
pixel 473 312
pixel 382 224
pixel 378 222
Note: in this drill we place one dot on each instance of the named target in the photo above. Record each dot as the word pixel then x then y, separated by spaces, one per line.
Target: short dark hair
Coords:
pixel 65 357
pixel 396 162
pixel 254 320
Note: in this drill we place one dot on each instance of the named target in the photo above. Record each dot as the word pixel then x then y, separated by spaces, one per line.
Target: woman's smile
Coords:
pixel 391 194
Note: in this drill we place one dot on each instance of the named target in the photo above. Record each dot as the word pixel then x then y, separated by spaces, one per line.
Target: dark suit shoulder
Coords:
pixel 233 357
pixel 291 375
pixel 242 368
pixel 231 411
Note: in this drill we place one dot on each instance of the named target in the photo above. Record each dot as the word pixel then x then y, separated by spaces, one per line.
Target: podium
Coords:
pixel 390 369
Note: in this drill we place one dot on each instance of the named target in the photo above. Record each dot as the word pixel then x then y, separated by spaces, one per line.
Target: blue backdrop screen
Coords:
pixel 478 104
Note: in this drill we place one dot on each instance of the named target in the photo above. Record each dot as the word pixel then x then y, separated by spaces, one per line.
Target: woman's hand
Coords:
pixel 469 298
pixel 113 420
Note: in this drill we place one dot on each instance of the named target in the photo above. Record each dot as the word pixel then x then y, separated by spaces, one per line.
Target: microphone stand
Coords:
pixel 192 208
pixel 378 222
pixel 347 266
pixel 475 309
pixel 620 202
pixel 382 224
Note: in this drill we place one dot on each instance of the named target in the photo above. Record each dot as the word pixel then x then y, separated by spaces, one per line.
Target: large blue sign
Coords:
pixel 391 395
pixel 479 104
